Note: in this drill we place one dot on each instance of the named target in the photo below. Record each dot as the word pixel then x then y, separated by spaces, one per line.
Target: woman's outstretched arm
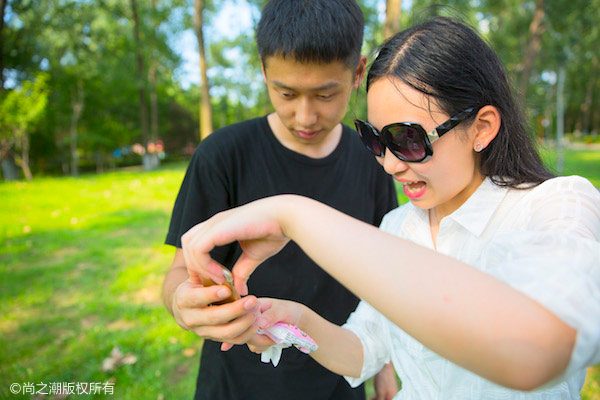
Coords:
pixel 461 313
pixel 340 350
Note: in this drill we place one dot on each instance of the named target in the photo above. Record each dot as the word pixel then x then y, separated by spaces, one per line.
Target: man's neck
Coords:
pixel 312 150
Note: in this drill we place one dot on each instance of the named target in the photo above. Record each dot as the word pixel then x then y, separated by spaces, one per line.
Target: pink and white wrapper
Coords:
pixel 285 335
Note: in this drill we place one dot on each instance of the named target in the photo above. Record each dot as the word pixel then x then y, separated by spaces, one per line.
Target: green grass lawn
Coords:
pixel 81 266
pixel 82 263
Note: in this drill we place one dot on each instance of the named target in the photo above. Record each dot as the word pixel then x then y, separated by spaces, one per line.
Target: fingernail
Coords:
pixel 222 293
pixel 216 272
pixel 248 304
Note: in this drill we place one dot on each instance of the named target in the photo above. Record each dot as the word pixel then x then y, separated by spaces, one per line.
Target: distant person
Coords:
pixel 487 284
pixel 311 61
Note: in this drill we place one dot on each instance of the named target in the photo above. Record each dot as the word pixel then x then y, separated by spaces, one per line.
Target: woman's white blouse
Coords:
pixel 543 241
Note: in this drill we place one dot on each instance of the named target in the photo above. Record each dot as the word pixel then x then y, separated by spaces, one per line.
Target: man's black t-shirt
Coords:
pixel 245 162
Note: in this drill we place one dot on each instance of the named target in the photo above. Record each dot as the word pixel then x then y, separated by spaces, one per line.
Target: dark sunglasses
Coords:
pixel 407 141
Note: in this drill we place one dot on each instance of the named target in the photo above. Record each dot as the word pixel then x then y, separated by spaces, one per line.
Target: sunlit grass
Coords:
pixel 81 266
pixel 577 162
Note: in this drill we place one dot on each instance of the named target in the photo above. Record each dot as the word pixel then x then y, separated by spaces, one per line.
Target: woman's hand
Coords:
pixel 277 310
pixel 255 226
pixel 273 311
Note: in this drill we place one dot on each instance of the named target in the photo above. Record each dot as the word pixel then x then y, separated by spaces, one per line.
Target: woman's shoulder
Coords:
pixel 572 188
pixel 566 203
pixel 573 183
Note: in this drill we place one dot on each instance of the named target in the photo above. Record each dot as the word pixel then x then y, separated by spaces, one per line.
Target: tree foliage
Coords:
pixel 87 51
pixel 20 110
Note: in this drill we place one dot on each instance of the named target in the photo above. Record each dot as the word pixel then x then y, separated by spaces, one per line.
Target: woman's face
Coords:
pixel 447 179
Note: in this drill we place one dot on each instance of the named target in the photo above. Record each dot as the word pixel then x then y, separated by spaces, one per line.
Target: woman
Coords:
pixel 487 283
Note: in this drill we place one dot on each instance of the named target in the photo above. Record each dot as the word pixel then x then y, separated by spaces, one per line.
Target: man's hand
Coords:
pixel 233 323
pixel 385 383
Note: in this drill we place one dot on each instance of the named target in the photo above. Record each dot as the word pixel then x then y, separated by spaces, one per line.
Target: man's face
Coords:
pixel 310 99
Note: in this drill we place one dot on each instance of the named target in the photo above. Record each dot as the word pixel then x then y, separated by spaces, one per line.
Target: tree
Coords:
pixel 393 12
pixel 152 71
pixel 206 126
pixel 141 81
pixel 20 110
pixel 77 105
pixel 3 4
pixel 536 28
pixel 89 51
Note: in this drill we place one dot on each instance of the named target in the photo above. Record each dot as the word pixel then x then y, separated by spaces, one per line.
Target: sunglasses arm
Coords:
pixel 433 135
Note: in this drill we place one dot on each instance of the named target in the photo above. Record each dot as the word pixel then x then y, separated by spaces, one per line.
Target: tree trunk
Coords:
pixel 393 11
pixel 560 120
pixel 2 8
pixel 206 126
pixel 596 122
pixel 25 156
pixel 141 82
pixel 10 172
pixel 77 104
pixel 586 107
pixel 536 29
pixel 595 112
pixel 8 164
pixel 99 158
pixel 155 162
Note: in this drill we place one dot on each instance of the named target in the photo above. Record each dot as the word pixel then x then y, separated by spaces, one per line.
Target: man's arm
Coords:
pixel 176 275
pixel 189 304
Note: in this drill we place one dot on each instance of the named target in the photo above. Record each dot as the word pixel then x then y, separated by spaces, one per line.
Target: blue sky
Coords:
pixel 234 17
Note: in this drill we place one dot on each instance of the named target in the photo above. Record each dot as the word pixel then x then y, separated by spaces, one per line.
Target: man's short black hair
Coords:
pixel 321 31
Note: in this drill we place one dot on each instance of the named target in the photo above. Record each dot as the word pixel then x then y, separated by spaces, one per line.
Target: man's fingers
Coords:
pixel 229 332
pixel 247 335
pixel 216 315
pixel 196 296
pixel 261 341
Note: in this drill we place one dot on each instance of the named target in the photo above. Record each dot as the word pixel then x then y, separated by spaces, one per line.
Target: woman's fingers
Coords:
pixel 276 310
pixel 255 226
pixel 196 245
pixel 242 270
pixel 226 346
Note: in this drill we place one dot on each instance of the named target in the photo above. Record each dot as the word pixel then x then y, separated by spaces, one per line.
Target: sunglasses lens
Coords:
pixel 408 142
pixel 369 138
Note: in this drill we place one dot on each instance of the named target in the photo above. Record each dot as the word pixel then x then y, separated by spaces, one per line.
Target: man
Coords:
pixel 311 62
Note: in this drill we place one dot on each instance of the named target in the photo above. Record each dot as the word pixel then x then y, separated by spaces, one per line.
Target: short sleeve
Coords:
pixel 556 259
pixel 203 192
pixel 370 327
pixel 387 199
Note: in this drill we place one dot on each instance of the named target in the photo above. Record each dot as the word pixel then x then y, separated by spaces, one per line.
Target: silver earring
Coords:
pixel 478 147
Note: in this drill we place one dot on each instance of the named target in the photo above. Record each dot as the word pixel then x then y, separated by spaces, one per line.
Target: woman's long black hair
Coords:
pixel 447 60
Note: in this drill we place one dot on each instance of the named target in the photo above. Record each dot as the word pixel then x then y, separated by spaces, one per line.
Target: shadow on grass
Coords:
pixel 70 295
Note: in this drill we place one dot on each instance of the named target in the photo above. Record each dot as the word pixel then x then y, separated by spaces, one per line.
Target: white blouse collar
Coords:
pixel 474 215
